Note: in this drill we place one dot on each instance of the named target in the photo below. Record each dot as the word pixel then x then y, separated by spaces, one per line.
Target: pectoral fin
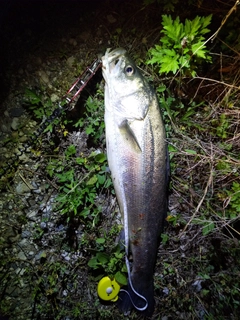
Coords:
pixel 129 136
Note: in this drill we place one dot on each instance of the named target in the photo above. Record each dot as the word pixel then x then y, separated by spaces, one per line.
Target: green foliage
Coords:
pixel 41 107
pixel 234 197
pixel 182 46
pixel 80 179
pixel 175 111
pixel 36 102
pixel 112 264
pixel 93 120
pixel 220 126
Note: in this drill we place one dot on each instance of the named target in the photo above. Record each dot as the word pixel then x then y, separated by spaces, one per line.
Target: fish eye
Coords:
pixel 129 70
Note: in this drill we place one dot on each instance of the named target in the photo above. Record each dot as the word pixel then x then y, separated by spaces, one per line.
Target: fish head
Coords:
pixel 125 88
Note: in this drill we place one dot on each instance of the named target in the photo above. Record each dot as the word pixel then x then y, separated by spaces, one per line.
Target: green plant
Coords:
pixel 80 179
pixel 221 126
pixel 42 107
pixel 234 197
pixel 175 111
pixel 182 46
pixel 93 120
pixel 112 264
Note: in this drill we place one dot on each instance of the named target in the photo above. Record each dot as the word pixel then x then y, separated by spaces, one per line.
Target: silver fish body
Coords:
pixel 137 157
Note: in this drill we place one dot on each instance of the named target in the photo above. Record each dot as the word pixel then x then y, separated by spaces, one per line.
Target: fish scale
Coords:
pixel 137 158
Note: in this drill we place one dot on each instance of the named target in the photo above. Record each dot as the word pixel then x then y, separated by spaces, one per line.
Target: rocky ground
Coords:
pixel 44 271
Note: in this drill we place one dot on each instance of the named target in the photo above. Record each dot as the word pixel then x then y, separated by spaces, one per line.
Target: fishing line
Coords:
pixel 136 293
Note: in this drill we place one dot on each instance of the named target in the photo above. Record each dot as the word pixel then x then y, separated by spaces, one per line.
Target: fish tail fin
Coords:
pixel 140 298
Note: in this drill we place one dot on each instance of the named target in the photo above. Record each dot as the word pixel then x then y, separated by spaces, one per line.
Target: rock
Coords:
pixel 43 225
pixel 22 188
pixel 54 97
pixel 40 255
pixel 21 256
pixel 70 61
pixel 5 128
pixel 43 76
pixel 26 234
pixel 32 215
pixel 15 124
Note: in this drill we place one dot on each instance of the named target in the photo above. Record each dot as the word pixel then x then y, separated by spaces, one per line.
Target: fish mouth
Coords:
pixel 111 61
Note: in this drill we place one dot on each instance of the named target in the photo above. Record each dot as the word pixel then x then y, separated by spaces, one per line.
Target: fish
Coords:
pixel 138 161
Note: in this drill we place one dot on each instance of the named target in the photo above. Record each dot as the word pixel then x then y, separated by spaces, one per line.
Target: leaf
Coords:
pixel 169 64
pixel 100 157
pixel 161 88
pixel 100 240
pixel 101 178
pixel 121 278
pixel 93 263
pixel 32 96
pixel 208 228
pixel 92 180
pixel 190 151
pixel 171 148
pixel 206 21
pixel 71 150
pixel 164 238
pixel 199 50
pixel 89 129
pixel 85 212
pixel 102 257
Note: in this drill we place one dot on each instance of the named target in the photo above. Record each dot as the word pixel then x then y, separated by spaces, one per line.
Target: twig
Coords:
pixel 200 202
pixel 234 8
pixel 24 180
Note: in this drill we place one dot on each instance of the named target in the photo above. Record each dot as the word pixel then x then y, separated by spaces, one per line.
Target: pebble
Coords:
pixel 22 188
pixel 54 97
pixel 32 215
pixel 15 124
pixel 70 61
pixel 21 256
pixel 43 76
pixel 26 234
pixel 41 254
pixel 43 225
